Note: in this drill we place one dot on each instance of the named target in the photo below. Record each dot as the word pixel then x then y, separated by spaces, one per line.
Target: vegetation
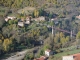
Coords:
pixel 15 38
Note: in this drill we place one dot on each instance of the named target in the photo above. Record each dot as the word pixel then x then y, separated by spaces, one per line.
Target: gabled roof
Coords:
pixel 76 56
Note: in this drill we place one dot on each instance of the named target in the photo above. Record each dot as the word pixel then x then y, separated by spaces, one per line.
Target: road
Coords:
pixel 17 56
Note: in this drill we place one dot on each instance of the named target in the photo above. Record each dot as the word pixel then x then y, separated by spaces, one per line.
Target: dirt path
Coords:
pixel 17 56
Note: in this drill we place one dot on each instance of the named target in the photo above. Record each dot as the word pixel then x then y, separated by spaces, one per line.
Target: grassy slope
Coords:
pixel 59 55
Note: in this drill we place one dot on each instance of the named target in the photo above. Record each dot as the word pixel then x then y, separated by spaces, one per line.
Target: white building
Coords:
pixel 78 17
pixel 11 17
pixel 27 22
pixel 20 24
pixel 48 52
pixel 67 58
pixel 41 18
pixel 72 57
pixel 6 19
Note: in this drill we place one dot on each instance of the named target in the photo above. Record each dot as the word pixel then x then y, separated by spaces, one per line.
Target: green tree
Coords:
pixel 41 12
pixel 61 35
pixel 51 23
pixel 2 21
pixel 78 35
pixel 67 38
pixel 11 22
pixel 6 44
pixel 41 52
pixel 50 15
pixel 62 41
pixel 78 38
pixel 36 13
pixel 1 46
pixel 56 39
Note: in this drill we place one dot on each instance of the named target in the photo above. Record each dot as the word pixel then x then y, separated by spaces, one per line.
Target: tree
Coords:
pixel 41 52
pixel 62 41
pixel 6 31
pixel 0 46
pixel 6 44
pixel 11 22
pixel 78 38
pixel 50 15
pixel 36 13
pixel 51 23
pixel 41 12
pixel 67 38
pixel 2 21
pixel 78 35
pixel 56 39
pixel 61 35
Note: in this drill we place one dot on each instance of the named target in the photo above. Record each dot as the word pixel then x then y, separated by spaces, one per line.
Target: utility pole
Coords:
pixel 71 34
pixel 52 31
pixel 53 34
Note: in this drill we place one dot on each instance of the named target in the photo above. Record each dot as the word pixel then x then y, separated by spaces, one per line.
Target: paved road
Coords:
pixel 17 56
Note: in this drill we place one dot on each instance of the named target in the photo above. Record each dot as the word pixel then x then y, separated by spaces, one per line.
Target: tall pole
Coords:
pixel 71 34
pixel 52 31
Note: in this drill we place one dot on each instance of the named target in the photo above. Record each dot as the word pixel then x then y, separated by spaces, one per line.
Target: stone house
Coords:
pixel 21 24
pixel 48 52
pixel 78 17
pixel 41 18
pixel 72 57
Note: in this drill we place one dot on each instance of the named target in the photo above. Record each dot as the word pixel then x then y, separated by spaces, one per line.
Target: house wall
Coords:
pixel 21 24
pixel 47 53
pixel 67 58
pixel 11 17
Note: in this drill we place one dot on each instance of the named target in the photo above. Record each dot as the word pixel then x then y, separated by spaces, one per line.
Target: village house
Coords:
pixel 41 18
pixel 55 20
pixel 28 20
pixel 21 24
pixel 48 52
pixel 22 19
pixel 72 57
pixel 41 58
pixel 67 58
pixel 6 19
pixel 78 17
pixel 10 18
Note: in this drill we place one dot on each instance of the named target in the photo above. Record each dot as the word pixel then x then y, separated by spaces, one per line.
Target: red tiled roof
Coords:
pixel 76 56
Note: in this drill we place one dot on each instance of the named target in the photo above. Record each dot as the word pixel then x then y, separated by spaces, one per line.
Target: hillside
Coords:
pixel 63 8
pixel 39 25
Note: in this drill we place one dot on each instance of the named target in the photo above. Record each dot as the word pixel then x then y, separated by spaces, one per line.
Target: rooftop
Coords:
pixel 76 56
